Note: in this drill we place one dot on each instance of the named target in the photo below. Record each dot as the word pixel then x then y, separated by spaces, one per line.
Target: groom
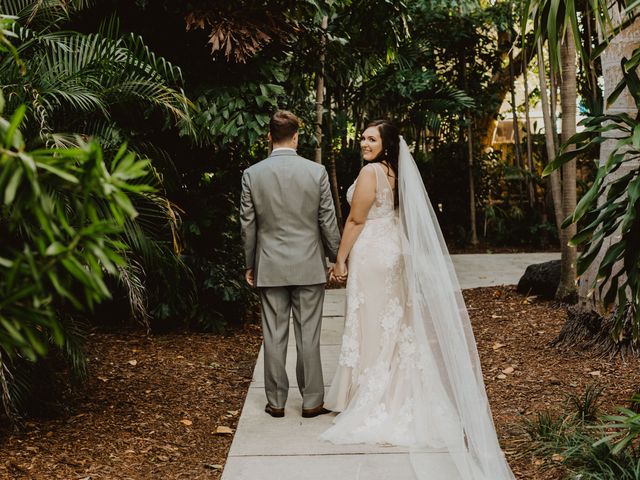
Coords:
pixel 287 215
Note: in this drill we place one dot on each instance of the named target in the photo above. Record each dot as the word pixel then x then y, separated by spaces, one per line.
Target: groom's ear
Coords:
pixel 269 137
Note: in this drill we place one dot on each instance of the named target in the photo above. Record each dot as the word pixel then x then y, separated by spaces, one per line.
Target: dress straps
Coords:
pixel 381 172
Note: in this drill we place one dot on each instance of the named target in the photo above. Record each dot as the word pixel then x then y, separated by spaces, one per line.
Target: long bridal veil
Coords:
pixel 445 341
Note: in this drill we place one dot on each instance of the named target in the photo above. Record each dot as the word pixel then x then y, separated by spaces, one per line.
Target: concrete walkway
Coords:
pixel 265 448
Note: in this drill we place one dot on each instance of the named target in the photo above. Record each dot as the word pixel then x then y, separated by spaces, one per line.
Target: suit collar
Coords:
pixel 290 152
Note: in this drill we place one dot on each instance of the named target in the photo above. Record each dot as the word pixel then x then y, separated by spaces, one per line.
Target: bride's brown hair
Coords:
pixel 390 136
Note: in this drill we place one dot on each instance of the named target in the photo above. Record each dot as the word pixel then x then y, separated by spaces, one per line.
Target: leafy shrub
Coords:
pixel 62 217
pixel 572 440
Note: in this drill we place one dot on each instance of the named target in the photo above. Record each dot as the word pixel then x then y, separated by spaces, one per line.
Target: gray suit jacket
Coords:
pixel 287 214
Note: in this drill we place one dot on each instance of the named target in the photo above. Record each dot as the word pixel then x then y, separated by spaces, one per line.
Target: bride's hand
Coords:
pixel 340 271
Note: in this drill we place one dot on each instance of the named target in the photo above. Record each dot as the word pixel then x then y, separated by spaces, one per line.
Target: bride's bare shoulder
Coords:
pixel 368 171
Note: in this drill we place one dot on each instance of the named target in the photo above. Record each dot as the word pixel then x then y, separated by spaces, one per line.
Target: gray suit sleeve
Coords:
pixel 248 222
pixel 327 219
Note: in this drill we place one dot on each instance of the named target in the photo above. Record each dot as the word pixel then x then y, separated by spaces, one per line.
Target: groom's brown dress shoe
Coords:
pixel 274 412
pixel 314 412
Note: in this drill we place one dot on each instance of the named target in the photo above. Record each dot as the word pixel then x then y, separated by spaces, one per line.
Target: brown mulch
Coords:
pixel 488 248
pixel 150 411
pixel 511 332
pixel 153 403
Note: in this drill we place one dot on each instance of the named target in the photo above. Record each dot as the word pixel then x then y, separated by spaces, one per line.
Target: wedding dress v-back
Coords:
pixel 387 390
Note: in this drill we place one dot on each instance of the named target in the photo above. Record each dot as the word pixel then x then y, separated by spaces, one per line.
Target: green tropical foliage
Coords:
pixel 595 447
pixel 81 83
pixel 109 86
pixel 238 114
pixel 62 215
pixel 76 227
pixel 610 209
pixel 551 18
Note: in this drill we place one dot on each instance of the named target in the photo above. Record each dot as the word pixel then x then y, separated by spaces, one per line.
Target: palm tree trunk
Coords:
pixel 320 91
pixel 472 189
pixel 554 178
pixel 553 85
pixel 568 95
pixel 514 107
pixel 531 189
pixel 331 164
pixel 588 21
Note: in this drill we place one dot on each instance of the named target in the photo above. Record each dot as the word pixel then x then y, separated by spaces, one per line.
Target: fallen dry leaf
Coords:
pixel 502 376
pixel 133 362
pixel 222 430
pixel 595 373
pixel 497 345
pixel 508 370
pixel 186 422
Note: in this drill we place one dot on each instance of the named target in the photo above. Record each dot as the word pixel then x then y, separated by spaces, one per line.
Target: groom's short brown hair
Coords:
pixel 283 125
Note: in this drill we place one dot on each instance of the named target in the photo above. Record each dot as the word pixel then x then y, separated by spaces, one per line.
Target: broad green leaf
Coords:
pixel 613 253
pixel 38 345
pixel 589 198
pixel 13 137
pixel 53 277
pixel 59 172
pixel 56 248
pixel 636 137
pixel 12 187
pixel 12 330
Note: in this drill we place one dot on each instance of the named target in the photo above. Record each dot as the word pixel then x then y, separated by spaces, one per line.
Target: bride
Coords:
pixel 408 372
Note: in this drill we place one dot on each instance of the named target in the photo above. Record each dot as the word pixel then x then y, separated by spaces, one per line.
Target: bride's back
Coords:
pixel 383 206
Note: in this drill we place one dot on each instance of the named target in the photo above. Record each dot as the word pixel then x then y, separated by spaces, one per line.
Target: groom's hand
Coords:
pixel 332 277
pixel 248 276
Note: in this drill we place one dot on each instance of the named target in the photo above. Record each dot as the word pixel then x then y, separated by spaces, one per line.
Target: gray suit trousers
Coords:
pixel 305 302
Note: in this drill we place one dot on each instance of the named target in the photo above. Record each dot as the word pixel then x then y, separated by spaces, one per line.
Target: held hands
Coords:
pixel 338 273
pixel 248 276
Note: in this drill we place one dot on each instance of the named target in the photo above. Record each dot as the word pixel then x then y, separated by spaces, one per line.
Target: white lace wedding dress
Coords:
pixel 389 391
pixel 409 372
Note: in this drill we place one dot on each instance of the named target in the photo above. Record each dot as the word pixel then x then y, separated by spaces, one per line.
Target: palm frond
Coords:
pixel 74 331
pixel 551 19
pixel 142 58
pixel 68 74
pixel 6 381
pixel 44 14
pixel 132 277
